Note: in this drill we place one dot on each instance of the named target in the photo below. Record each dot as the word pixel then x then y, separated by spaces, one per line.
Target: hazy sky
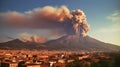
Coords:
pixel 102 15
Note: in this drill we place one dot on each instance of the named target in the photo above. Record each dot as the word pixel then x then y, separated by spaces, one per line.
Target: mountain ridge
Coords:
pixel 85 43
pixel 68 42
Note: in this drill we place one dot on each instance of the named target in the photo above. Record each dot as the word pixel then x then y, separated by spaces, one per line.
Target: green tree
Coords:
pixel 95 64
pixel 117 61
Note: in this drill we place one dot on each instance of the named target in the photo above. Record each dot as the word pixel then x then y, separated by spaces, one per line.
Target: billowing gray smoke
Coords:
pixel 61 19
pixel 75 23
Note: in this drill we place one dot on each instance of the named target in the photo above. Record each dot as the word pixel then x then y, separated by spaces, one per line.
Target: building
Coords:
pixel 31 65
pixel 59 65
pixel 9 64
pixel 61 60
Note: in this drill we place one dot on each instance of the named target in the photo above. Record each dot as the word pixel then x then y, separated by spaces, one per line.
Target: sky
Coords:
pixel 103 16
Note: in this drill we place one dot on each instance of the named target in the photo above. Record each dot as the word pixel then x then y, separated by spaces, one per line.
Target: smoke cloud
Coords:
pixel 76 22
pixel 34 39
pixel 61 19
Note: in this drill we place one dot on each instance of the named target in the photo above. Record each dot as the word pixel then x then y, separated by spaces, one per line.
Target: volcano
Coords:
pixel 68 42
pixel 80 43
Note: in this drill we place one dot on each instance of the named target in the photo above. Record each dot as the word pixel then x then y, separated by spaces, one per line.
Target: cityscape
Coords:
pixel 44 58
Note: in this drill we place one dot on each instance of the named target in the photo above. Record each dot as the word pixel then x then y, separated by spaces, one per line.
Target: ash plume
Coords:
pixel 34 39
pixel 52 18
pixel 76 22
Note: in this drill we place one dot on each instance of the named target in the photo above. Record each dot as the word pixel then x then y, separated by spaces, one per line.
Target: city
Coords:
pixel 44 58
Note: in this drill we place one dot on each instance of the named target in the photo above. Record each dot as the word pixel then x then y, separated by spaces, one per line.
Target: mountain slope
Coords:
pixel 82 43
pixel 69 42
pixel 18 44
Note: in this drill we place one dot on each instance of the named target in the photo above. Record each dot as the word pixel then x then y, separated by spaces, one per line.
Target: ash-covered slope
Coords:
pixel 80 43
